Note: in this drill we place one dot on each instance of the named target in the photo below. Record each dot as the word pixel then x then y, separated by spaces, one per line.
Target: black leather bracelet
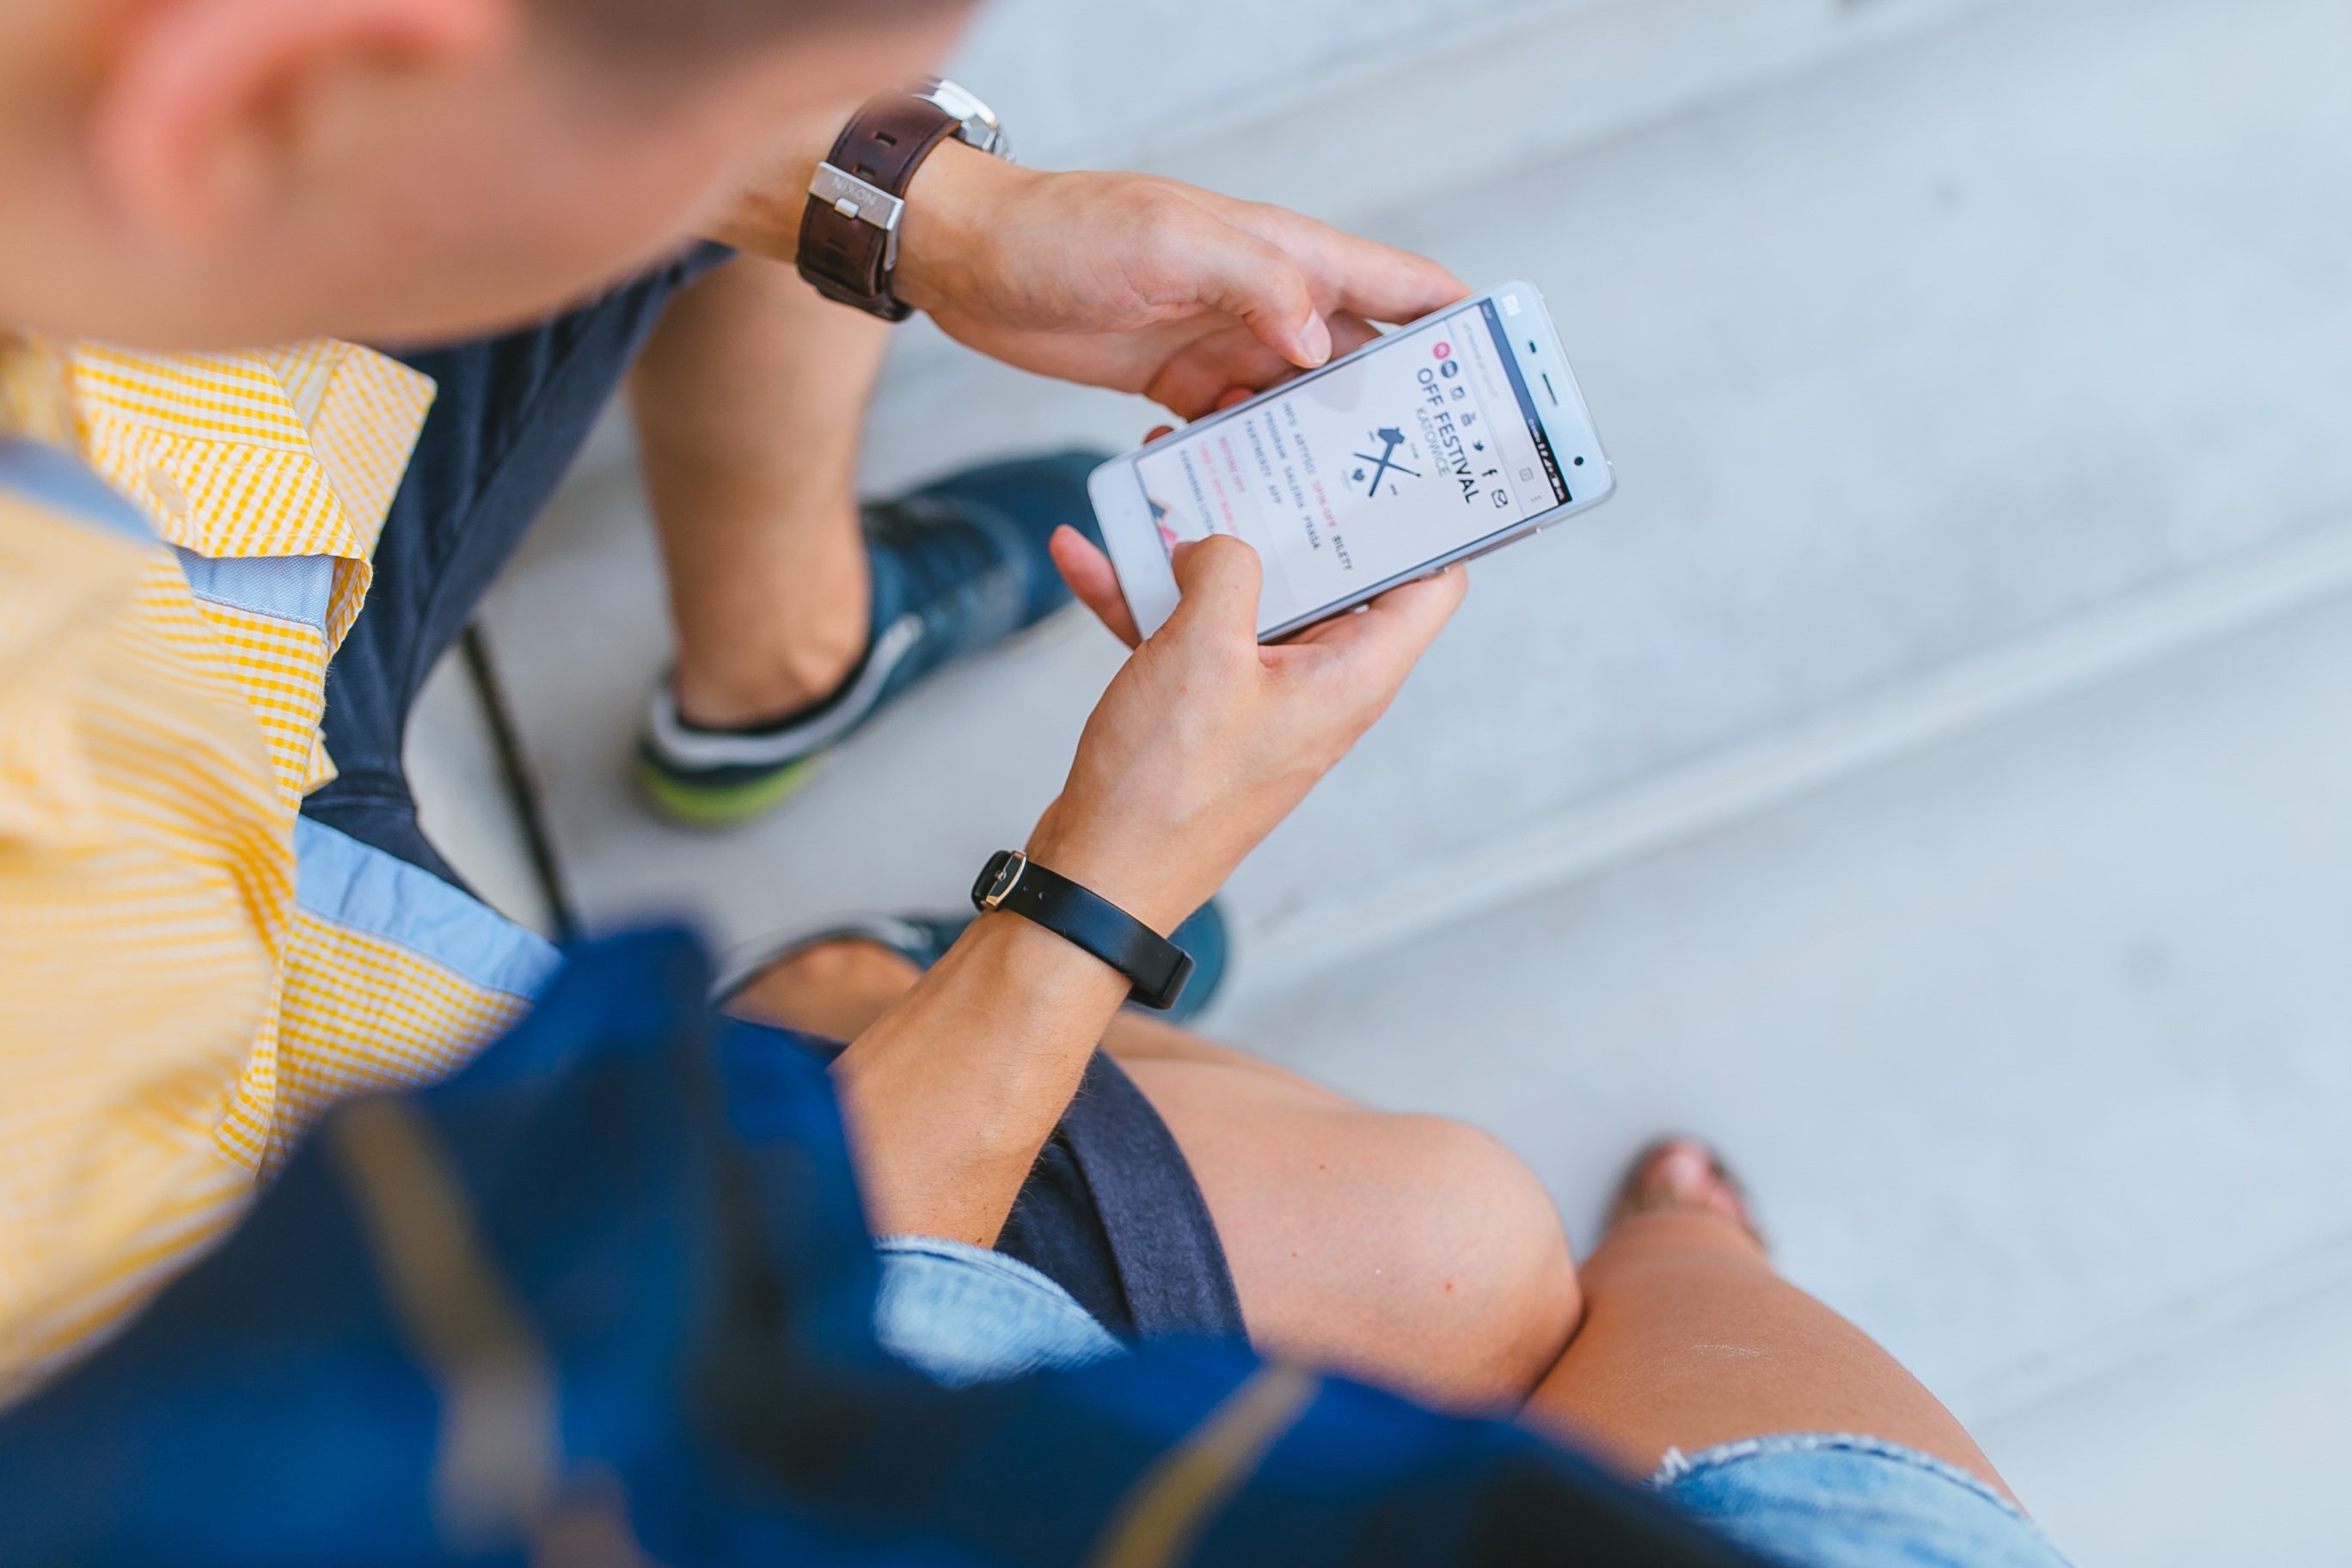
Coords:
pixel 1156 968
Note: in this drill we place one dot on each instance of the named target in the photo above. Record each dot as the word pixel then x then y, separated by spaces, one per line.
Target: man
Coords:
pixel 198 974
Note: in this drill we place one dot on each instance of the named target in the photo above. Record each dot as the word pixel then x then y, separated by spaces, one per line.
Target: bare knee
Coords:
pixel 1487 1258
pixel 1447 1275
pixel 1413 1251
pixel 835 988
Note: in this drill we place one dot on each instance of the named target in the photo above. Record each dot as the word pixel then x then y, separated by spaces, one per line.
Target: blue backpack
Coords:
pixel 607 1297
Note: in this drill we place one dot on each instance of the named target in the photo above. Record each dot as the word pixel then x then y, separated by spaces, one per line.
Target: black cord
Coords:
pixel 515 772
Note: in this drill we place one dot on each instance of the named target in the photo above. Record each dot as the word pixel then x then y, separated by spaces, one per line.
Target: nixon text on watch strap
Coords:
pixel 1156 968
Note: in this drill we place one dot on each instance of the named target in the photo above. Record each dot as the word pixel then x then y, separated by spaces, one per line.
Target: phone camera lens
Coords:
pixel 1580 462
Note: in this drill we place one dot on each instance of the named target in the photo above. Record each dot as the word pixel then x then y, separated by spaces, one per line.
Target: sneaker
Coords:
pixel 924 940
pixel 958 566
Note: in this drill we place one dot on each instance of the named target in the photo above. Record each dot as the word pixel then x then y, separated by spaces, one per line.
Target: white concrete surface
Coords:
pixel 1343 108
pixel 2223 1444
pixel 1085 80
pixel 1928 776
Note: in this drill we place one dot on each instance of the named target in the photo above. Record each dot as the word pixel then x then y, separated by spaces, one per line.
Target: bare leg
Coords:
pixel 1690 1339
pixel 749 399
pixel 1408 1250
pixel 1412 1251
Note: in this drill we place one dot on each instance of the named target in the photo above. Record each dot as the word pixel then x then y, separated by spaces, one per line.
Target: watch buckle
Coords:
pixel 854 199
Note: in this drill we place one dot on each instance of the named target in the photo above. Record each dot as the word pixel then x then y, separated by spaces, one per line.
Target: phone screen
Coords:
pixel 1426 444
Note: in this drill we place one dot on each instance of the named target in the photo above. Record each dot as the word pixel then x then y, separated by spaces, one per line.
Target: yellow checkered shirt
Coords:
pixel 173 1014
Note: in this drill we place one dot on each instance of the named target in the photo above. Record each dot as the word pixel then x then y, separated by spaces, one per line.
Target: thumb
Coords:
pixel 1217 579
pixel 1245 276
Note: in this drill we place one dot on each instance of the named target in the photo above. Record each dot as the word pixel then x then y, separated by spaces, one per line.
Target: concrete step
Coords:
pixel 1344 108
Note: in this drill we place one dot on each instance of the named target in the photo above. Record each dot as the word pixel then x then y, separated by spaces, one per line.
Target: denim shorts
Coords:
pixel 1833 1499
pixel 961 1314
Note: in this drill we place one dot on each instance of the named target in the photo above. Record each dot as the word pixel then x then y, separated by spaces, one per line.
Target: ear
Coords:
pixel 207 107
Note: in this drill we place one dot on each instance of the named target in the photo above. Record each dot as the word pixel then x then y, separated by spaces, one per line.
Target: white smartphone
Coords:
pixel 1442 440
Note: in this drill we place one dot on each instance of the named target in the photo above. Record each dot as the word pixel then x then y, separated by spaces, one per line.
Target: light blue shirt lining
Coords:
pixel 360 886
pixel 288 587
pixel 64 482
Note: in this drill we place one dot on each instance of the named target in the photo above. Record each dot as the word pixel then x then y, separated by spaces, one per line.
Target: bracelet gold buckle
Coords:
pixel 1008 877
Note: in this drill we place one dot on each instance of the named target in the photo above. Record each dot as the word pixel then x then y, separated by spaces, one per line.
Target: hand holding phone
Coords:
pixel 1441 441
pixel 1206 739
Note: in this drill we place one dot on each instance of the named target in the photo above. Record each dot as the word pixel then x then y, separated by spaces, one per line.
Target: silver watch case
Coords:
pixel 976 124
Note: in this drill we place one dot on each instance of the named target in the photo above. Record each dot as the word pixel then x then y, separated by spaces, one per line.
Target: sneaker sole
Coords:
pixel 691 805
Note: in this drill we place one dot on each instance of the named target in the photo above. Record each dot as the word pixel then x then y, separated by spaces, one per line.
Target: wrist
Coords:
pixel 1022 959
pixel 1141 884
pixel 955 203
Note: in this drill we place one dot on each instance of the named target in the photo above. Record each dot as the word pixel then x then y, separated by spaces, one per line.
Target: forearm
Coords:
pixel 950 1094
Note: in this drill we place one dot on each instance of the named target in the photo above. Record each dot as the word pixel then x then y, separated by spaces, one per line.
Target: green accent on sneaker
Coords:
pixel 691 805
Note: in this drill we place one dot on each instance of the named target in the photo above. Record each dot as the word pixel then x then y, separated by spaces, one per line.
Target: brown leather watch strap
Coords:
pixel 844 255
